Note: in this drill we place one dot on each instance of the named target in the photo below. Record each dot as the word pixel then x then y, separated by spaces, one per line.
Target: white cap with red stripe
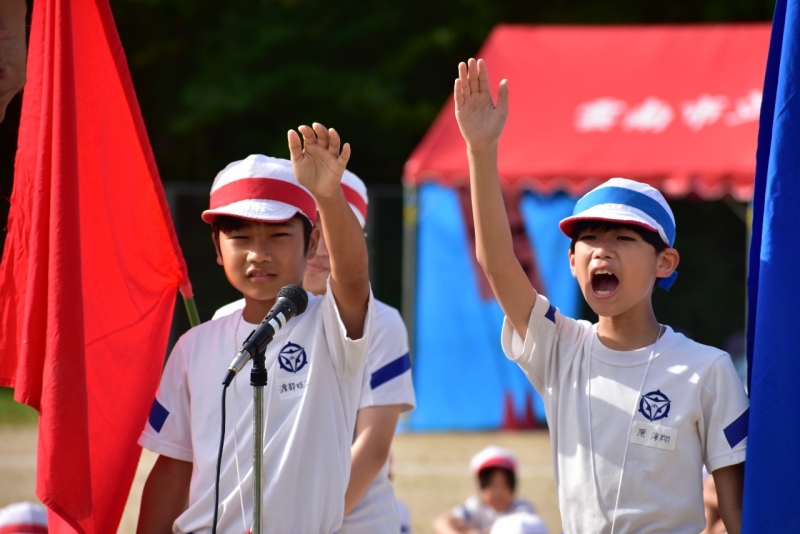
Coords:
pixel 260 188
pixel 493 456
pixel 23 518
pixel 356 194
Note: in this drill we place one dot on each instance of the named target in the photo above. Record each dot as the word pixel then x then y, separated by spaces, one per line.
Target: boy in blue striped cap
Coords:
pixel 634 409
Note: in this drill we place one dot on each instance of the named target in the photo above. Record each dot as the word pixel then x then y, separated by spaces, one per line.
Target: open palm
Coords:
pixel 481 121
pixel 317 163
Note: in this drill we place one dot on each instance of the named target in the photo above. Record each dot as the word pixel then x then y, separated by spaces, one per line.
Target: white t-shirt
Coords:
pixel 386 381
pixel 310 406
pixel 481 516
pixel 692 410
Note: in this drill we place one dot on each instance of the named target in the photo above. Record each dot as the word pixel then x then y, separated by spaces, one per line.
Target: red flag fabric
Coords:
pixel 674 106
pixel 90 268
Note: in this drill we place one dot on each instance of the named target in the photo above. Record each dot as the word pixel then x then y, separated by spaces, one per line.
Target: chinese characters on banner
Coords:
pixel 654 115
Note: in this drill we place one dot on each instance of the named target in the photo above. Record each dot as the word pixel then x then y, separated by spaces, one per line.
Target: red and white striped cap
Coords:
pixel 356 194
pixel 493 456
pixel 23 518
pixel 260 188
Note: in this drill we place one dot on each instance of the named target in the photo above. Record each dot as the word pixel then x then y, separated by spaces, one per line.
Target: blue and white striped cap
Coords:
pixel 626 201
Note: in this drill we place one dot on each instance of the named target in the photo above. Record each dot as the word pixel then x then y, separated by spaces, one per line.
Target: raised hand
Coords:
pixel 481 121
pixel 316 162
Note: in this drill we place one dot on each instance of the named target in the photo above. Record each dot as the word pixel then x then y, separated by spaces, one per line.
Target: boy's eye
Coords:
pixel 625 238
pixel 280 234
pixel 586 237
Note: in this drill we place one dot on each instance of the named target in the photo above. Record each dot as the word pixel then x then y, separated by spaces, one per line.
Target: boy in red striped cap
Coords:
pixel 262 221
pixel 386 391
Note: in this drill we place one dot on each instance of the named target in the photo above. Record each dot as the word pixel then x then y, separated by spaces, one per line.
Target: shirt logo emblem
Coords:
pixel 292 357
pixel 654 405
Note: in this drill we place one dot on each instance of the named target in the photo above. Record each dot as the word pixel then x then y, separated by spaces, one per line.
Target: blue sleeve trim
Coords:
pixel 737 431
pixel 158 414
pixel 551 313
pixel 391 370
pixel 467 515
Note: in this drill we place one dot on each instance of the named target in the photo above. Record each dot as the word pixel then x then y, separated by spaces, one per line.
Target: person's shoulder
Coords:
pixel 687 348
pixel 208 331
pixel 523 505
pixel 228 309
pixel 388 317
pixel 473 504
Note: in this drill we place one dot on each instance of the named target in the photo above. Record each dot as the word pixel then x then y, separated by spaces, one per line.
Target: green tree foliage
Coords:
pixel 218 80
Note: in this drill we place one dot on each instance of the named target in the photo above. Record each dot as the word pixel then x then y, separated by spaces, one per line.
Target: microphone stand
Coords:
pixel 258 379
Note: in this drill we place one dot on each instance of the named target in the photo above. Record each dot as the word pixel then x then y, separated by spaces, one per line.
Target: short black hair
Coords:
pixel 485 475
pixel 228 223
pixel 594 225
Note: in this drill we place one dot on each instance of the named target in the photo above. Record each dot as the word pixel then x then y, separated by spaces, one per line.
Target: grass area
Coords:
pixel 12 412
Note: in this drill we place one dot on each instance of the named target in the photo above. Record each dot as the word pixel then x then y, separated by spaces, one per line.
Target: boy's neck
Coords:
pixel 255 310
pixel 631 330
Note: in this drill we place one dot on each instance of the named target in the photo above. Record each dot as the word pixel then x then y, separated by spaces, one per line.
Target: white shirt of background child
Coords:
pixel 480 516
pixel 693 410
pixel 386 381
pixel 310 405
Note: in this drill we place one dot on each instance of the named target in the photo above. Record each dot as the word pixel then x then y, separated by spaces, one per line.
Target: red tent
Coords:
pixel 676 106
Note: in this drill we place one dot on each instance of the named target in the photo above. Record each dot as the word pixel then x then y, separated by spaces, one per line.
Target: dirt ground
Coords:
pixel 431 472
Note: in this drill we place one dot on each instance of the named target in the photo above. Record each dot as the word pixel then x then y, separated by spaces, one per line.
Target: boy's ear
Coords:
pixel 667 262
pixel 216 248
pixel 313 241
pixel 571 263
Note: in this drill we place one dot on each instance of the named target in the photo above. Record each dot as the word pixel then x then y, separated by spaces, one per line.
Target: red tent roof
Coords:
pixel 675 106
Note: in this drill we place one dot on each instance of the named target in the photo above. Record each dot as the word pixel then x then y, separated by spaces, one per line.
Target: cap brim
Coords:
pixel 505 463
pixel 567 225
pixel 271 211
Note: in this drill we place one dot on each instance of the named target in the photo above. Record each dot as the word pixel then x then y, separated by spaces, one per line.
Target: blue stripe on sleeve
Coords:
pixel 551 313
pixel 391 370
pixel 634 199
pixel 737 431
pixel 158 414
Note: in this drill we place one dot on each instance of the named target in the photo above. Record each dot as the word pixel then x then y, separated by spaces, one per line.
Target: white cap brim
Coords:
pixel 272 211
pixel 612 213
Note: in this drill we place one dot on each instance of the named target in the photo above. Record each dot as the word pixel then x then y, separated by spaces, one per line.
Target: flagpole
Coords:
pixel 191 311
pixel 188 300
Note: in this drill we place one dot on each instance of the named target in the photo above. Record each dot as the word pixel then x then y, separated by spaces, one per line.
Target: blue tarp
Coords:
pixel 461 376
pixel 772 469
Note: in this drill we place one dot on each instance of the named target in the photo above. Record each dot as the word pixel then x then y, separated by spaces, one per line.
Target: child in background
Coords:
pixel 634 409
pixel 494 471
pixel 23 518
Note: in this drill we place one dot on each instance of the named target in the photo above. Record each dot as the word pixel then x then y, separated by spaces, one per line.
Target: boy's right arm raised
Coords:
pixel 481 123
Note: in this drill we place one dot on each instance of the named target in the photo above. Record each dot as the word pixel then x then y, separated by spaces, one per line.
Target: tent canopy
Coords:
pixel 674 106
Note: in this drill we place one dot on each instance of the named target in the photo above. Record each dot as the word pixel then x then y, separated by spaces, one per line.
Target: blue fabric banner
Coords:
pixel 541 215
pixel 772 469
pixel 462 379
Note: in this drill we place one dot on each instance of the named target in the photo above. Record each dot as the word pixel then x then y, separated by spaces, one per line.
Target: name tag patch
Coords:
pixel 291 387
pixel 651 435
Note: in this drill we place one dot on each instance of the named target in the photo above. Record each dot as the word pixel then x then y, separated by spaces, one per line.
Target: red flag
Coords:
pixel 90 268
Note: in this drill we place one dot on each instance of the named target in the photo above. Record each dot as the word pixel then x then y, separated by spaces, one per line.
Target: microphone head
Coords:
pixel 297 295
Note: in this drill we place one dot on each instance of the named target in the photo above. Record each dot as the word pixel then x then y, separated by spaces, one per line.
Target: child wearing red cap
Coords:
pixel 494 470
pixel 262 212
pixel 634 408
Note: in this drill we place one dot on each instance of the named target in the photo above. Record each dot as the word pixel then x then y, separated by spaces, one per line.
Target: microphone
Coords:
pixel 292 300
